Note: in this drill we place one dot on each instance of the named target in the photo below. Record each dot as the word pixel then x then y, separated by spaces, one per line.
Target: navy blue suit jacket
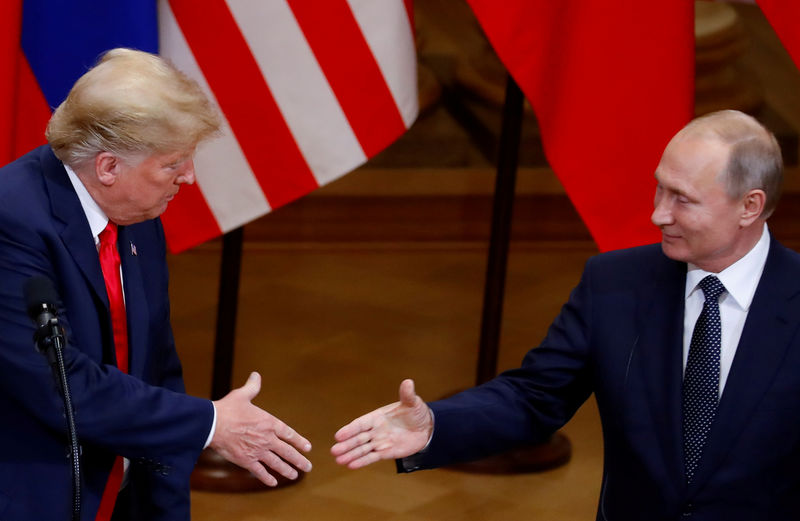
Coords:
pixel 144 416
pixel 620 337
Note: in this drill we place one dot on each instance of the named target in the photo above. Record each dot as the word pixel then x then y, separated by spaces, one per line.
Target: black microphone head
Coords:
pixel 40 293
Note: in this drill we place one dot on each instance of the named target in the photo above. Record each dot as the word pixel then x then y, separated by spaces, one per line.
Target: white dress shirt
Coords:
pixel 94 214
pixel 740 280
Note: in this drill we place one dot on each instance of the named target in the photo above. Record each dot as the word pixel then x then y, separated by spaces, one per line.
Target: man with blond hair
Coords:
pixel 83 212
pixel 691 348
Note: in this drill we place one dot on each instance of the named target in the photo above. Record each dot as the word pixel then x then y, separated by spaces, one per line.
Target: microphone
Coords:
pixel 40 299
pixel 40 302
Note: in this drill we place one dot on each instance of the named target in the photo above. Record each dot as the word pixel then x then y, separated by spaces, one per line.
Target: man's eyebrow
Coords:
pixel 674 189
pixel 178 160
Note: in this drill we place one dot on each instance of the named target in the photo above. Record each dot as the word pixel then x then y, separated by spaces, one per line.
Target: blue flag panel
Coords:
pixel 62 39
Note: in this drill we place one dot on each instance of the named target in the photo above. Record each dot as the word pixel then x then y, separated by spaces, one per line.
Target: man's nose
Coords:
pixel 661 213
pixel 187 176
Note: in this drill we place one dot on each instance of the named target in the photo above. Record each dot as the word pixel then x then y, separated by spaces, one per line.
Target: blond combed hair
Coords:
pixel 132 104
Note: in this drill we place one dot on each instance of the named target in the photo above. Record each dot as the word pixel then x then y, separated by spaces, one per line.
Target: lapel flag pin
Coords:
pixel 133 249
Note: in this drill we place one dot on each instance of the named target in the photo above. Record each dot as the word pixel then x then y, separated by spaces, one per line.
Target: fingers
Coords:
pixel 362 424
pixel 365 454
pixel 291 436
pixel 259 471
pixel 283 459
pixel 349 444
pixel 355 452
pixel 363 461
pixel 282 446
pixel 275 463
pixel 280 466
pixel 290 454
pixel 347 432
pixel 252 387
pixel 407 395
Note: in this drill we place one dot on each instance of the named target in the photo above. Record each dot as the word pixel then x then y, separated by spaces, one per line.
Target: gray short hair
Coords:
pixel 755 160
pixel 131 103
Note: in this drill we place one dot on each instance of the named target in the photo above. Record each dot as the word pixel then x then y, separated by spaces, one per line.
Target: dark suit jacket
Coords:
pixel 620 336
pixel 144 416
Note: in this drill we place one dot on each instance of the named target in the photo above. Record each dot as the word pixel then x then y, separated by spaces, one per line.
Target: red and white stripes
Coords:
pixel 308 90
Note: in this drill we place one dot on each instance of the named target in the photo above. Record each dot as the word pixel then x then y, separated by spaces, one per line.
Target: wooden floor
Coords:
pixel 334 328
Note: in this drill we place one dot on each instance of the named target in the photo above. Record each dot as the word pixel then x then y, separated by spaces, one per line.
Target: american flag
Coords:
pixel 309 91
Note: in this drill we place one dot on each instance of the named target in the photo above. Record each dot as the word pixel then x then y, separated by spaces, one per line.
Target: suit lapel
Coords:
pixel 762 346
pixel 75 232
pixel 660 326
pixel 135 300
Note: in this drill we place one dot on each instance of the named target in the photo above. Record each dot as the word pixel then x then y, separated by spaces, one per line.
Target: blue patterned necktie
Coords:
pixel 701 379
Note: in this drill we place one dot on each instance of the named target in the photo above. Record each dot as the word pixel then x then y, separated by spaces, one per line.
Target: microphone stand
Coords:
pixel 50 341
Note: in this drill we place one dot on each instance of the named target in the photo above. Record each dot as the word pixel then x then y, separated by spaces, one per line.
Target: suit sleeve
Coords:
pixel 524 405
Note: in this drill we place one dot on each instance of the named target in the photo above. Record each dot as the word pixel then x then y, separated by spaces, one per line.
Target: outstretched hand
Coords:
pixel 394 431
pixel 252 438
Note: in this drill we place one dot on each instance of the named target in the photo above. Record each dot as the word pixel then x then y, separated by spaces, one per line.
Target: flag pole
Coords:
pixel 213 472
pixel 557 450
pixel 500 236
pixel 227 311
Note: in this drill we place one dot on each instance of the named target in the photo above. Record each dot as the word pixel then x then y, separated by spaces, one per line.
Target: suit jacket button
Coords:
pixel 687 510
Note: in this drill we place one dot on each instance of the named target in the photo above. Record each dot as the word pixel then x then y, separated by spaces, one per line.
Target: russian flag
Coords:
pixel 48 45
pixel 784 16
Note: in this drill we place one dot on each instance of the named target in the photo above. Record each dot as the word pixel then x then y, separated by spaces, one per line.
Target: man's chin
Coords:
pixel 672 251
pixel 158 211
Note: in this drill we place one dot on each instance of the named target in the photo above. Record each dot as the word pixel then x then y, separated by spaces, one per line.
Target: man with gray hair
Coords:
pixel 691 348
pixel 83 212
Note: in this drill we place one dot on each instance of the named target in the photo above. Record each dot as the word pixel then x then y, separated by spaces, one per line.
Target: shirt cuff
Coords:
pixel 214 427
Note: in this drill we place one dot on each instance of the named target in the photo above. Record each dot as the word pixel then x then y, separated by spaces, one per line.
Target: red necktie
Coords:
pixel 110 263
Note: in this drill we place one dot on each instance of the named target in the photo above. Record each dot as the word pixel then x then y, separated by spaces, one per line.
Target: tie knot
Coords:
pixel 712 287
pixel 109 234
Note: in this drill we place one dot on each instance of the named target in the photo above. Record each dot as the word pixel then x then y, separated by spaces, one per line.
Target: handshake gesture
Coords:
pixel 255 440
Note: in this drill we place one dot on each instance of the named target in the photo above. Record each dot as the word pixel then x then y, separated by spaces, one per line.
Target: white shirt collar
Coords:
pixel 96 217
pixel 740 278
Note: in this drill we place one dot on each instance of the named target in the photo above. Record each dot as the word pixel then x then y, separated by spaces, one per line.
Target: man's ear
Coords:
pixel 752 206
pixel 106 167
